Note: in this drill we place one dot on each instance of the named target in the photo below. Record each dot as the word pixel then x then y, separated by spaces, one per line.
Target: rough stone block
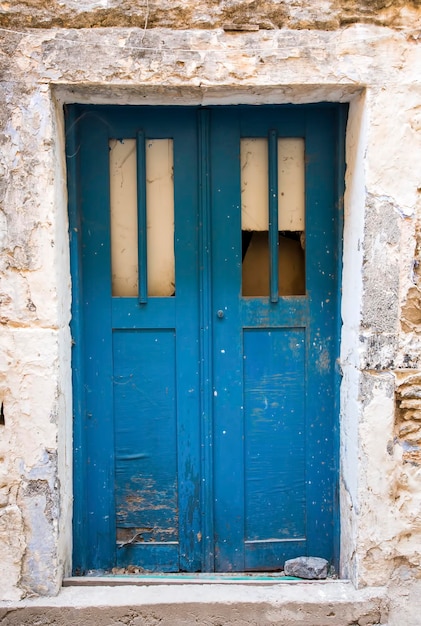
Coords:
pixel 310 567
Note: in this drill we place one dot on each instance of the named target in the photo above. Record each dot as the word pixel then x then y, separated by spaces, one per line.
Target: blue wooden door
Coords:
pixel 205 419
pixel 274 356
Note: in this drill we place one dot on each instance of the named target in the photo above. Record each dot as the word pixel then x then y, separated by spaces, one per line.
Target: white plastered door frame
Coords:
pixel 354 203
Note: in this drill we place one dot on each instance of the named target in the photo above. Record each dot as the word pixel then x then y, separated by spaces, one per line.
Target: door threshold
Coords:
pixel 114 580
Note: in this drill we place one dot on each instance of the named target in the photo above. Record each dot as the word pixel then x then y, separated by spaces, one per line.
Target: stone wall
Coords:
pixel 367 53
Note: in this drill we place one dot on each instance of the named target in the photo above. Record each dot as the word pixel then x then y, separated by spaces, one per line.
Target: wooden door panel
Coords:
pixel 137 442
pixel 145 432
pixel 182 464
pixel 274 466
pixel 274 415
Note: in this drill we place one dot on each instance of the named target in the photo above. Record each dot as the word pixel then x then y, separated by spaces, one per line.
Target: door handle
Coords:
pixel 220 314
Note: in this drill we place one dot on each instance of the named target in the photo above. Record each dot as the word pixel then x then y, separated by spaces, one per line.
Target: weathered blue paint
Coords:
pixel 322 340
pixel 79 440
pixel 206 320
pixel 98 417
pixel 145 454
pixel 274 461
pixel 227 342
pixel 205 423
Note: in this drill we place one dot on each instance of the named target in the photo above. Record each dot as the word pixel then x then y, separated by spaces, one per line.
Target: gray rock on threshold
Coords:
pixel 309 567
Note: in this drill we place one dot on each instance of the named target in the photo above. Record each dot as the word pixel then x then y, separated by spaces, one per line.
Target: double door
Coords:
pixel 205 300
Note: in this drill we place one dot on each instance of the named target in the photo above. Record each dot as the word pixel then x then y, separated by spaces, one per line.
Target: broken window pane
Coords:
pixel 255 216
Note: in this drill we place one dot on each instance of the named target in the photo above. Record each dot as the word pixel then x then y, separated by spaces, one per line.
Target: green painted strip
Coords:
pixel 204 577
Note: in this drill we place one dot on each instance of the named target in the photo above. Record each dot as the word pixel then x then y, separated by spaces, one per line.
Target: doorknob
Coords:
pixel 220 314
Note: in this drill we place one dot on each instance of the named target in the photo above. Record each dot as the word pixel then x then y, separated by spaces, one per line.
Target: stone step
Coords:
pixel 136 603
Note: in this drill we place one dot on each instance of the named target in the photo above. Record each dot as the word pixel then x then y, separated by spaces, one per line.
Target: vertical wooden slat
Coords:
pixel 228 401
pixel 206 342
pixel 98 418
pixel 80 563
pixel 322 347
pixel 186 193
pixel 273 215
pixel 141 217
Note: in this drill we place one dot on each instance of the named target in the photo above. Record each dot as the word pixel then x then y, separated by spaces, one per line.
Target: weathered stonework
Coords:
pixel 185 14
pixel 366 53
pixel 408 416
pixel 389 497
pixel 411 311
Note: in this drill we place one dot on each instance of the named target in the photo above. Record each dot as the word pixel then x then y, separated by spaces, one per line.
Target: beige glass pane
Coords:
pixel 291 177
pixel 254 184
pixel 160 217
pixel 255 216
pixel 123 200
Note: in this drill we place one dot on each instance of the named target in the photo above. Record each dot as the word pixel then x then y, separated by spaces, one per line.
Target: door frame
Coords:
pixel 79 481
